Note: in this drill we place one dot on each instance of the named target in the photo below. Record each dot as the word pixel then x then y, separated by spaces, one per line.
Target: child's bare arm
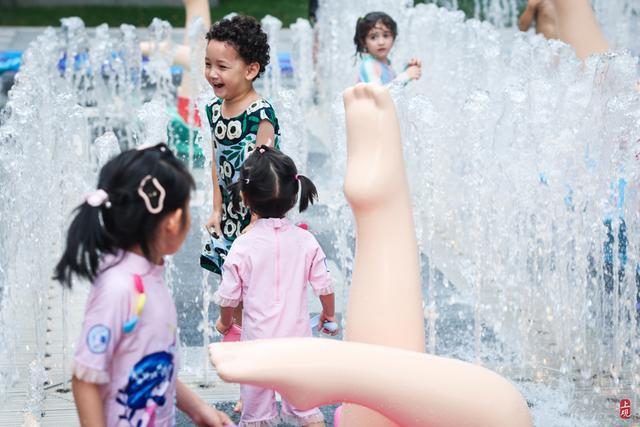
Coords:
pixel 328 313
pixel 266 134
pixel 414 72
pixel 226 319
pixel 88 403
pixel 195 408
pixel 229 294
pixel 328 305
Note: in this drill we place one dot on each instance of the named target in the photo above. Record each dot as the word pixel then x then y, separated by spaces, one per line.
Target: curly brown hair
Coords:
pixel 246 36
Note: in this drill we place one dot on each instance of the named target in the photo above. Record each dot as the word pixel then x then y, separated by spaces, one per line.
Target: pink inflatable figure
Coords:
pixel 381 371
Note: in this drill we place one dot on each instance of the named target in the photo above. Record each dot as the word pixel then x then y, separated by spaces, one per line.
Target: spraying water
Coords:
pixel 521 161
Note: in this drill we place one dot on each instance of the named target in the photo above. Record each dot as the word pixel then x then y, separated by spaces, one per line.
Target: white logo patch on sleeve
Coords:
pixel 98 338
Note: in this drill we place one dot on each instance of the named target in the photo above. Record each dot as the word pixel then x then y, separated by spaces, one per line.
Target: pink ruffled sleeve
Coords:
pixel 229 294
pixel 319 277
pixel 105 314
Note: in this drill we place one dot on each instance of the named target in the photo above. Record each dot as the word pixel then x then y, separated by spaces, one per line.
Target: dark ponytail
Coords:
pixel 308 192
pixel 87 239
pixel 269 183
pixel 117 216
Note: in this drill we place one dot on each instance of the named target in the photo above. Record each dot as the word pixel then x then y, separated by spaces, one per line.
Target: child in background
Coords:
pixel 374 38
pixel 182 130
pixel 240 119
pixel 268 270
pixel 125 367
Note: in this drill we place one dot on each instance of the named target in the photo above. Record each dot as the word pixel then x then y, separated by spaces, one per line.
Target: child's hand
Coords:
pixel 414 71
pixel 221 327
pixel 214 222
pixel 211 417
pixel 323 319
pixel 414 61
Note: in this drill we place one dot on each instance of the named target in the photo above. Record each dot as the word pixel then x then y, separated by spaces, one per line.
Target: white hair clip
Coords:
pixel 158 192
pixel 97 198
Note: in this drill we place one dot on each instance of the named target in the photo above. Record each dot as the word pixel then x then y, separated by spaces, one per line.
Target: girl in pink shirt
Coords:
pixel 125 366
pixel 268 269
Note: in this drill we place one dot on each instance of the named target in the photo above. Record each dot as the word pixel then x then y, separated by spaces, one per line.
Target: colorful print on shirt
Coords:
pixel 145 391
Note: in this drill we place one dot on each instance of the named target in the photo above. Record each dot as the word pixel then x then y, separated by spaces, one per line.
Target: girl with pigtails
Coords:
pixel 268 269
pixel 125 366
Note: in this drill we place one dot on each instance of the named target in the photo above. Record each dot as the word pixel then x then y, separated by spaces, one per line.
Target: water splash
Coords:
pixel 272 25
pixel 524 156
pixel 521 162
pixel 106 147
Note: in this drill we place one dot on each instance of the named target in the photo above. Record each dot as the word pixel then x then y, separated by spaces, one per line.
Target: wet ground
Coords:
pixel 227 407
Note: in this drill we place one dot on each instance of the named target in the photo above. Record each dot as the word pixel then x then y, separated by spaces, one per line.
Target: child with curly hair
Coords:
pixel 237 54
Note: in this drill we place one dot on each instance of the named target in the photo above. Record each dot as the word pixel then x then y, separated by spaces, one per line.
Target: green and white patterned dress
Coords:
pixel 233 140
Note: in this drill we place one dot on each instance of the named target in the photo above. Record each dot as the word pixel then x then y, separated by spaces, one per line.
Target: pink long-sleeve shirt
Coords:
pixel 268 269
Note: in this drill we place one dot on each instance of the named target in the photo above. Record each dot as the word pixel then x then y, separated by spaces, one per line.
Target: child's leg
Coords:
pixel 310 417
pixel 182 54
pixel 237 319
pixel 385 300
pixel 578 27
pixel 193 9
pixel 259 404
pixel 411 388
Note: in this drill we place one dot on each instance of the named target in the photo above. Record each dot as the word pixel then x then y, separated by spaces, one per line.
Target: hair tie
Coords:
pixel 160 146
pixel 158 192
pixel 98 198
pixel 246 180
pixel 296 177
pixel 261 150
